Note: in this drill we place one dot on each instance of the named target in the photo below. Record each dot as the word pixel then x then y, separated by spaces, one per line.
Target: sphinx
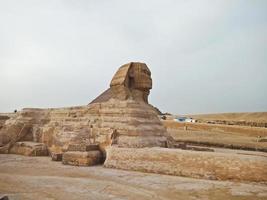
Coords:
pixel 120 129
pixel 120 116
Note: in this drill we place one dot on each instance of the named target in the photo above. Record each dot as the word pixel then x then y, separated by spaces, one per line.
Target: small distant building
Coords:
pixel 184 119
pixel 180 119
pixel 191 120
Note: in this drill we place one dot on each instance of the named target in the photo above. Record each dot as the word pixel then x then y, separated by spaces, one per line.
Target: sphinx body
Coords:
pixel 120 116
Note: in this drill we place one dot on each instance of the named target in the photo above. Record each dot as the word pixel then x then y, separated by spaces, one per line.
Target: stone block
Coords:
pixel 29 149
pixel 195 164
pixel 92 147
pixel 79 158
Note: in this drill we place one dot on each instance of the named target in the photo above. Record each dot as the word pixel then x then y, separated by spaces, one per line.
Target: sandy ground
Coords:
pixel 39 178
pixel 213 138
pixel 250 116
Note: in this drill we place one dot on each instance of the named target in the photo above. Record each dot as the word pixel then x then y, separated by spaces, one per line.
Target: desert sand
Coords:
pixel 39 178
pixel 246 116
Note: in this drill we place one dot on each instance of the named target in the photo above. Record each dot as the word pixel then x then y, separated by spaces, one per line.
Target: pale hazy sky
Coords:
pixel 205 56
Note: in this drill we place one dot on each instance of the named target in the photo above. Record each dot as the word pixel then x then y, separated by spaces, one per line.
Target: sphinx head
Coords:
pixel 132 80
pixel 139 77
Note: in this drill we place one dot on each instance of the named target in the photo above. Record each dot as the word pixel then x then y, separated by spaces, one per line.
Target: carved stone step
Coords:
pixel 79 158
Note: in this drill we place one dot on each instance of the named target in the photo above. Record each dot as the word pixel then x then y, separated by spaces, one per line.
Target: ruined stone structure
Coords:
pixel 120 116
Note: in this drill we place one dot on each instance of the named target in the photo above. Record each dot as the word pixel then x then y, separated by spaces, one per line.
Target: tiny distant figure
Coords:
pixel 15 111
pixel 185 128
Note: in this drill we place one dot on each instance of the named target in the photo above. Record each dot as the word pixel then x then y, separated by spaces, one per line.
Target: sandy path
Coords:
pixel 39 178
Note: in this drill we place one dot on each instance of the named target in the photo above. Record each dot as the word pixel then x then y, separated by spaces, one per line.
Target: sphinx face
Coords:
pixel 141 77
pixel 140 81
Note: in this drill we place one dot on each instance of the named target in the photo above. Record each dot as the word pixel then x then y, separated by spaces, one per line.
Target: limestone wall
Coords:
pixel 208 165
pixel 249 131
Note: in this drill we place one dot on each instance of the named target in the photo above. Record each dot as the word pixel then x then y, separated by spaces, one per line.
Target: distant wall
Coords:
pixel 249 131
pixel 255 119
pixel 247 117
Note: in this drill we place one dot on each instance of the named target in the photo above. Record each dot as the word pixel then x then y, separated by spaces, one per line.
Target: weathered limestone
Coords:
pixel 24 126
pixel 3 118
pixel 29 149
pixel 131 81
pixel 82 155
pixel 79 158
pixel 207 165
pixel 79 147
pixel 262 139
